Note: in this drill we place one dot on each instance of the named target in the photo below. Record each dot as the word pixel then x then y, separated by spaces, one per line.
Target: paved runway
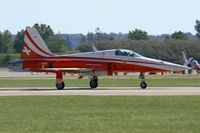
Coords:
pixel 101 91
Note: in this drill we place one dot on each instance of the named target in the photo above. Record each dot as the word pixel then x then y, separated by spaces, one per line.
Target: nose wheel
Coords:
pixel 143 84
pixel 94 82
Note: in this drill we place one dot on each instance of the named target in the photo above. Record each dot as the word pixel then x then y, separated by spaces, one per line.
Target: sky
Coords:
pixel 83 16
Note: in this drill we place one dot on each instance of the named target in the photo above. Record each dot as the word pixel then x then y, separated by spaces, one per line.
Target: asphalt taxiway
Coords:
pixel 101 91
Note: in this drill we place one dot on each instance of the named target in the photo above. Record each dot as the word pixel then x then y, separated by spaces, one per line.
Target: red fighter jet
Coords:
pixel 36 57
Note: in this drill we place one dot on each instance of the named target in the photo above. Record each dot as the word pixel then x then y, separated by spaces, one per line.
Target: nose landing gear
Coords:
pixel 143 84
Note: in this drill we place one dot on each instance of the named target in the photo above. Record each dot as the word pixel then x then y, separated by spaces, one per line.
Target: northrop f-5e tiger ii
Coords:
pixel 36 57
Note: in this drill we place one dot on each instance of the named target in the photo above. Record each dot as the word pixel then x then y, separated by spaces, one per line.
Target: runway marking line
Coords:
pixel 101 91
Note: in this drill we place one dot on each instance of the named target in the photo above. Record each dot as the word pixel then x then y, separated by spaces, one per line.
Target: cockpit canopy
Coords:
pixel 124 52
pixel 195 62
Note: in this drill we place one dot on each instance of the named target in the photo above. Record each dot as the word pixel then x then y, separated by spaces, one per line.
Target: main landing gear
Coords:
pixel 94 82
pixel 143 84
pixel 60 85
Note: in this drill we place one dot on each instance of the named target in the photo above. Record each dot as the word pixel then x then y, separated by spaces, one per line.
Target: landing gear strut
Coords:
pixel 94 82
pixel 60 85
pixel 143 84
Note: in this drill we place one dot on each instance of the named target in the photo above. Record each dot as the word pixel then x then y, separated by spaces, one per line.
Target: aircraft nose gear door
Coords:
pixel 143 84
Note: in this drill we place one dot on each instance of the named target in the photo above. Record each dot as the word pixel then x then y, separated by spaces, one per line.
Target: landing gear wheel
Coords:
pixel 143 85
pixel 60 86
pixel 94 82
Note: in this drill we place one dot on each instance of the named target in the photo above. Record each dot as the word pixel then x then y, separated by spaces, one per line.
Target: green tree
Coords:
pixel 197 28
pixel 6 59
pixel 57 45
pixel 138 35
pixel 6 42
pixel 19 41
pixel 44 30
pixel 90 36
pixel 99 36
pixel 68 42
pixel 102 36
pixel 1 45
pixel 84 47
pixel 179 35
pixel 166 50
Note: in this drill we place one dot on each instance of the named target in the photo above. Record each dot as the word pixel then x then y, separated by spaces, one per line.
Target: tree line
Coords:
pixel 169 50
pixel 138 40
pixel 10 44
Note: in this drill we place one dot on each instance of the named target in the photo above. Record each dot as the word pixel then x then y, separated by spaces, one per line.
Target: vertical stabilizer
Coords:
pixel 34 46
pixel 184 59
pixel 94 48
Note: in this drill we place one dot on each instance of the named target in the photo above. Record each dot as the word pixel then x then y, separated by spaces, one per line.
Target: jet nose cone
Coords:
pixel 197 67
pixel 175 67
pixel 181 67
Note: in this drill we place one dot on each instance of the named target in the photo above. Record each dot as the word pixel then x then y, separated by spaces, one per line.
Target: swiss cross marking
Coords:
pixel 27 51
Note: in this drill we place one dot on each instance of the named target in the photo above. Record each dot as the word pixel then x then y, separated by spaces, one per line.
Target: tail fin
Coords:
pixel 34 46
pixel 94 48
pixel 184 59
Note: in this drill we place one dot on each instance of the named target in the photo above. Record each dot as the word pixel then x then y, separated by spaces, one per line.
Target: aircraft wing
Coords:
pixel 69 70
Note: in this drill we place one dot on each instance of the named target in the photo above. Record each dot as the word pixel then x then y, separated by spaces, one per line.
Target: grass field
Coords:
pixel 97 114
pixel 108 82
